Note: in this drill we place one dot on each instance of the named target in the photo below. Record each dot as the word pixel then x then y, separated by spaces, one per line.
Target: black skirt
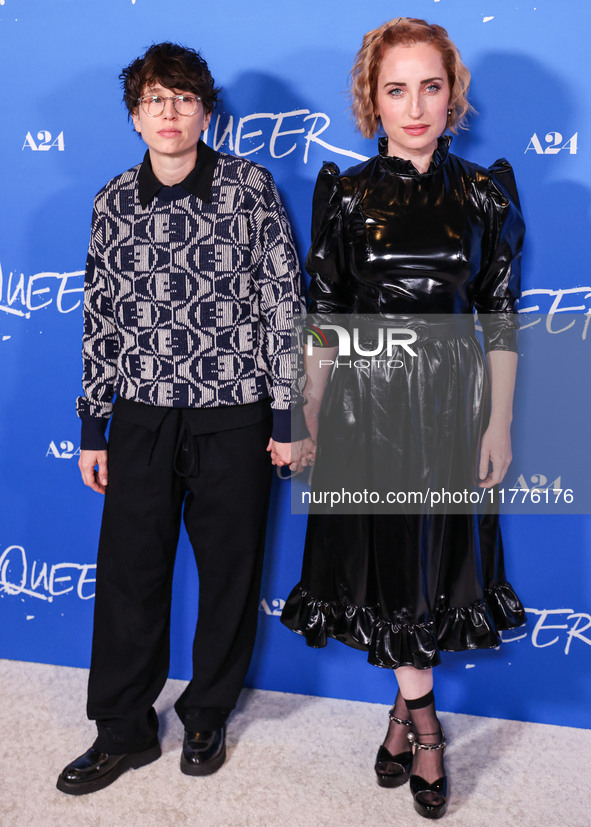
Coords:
pixel 404 586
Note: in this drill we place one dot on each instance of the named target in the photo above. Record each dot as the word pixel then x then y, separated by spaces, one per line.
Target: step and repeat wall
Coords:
pixel 283 69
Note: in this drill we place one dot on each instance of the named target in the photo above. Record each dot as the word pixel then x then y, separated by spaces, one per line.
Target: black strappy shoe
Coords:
pixel 430 799
pixel 393 770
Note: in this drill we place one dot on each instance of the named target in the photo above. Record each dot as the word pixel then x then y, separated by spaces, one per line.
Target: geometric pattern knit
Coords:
pixel 189 303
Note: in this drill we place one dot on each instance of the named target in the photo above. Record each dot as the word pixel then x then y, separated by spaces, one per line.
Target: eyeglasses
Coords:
pixel 154 105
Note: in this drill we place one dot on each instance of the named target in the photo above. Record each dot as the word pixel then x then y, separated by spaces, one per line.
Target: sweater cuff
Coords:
pixel 92 437
pixel 289 426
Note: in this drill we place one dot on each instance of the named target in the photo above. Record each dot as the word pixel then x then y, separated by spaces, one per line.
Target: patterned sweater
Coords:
pixel 190 292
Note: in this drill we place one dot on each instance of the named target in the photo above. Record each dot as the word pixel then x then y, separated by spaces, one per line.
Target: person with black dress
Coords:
pixel 412 233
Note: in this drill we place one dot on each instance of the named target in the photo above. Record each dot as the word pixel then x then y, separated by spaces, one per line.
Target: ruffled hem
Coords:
pixel 403 643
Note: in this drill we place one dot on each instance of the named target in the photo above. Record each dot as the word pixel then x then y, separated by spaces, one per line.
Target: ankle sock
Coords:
pixel 396 740
pixel 421 703
pixel 427 730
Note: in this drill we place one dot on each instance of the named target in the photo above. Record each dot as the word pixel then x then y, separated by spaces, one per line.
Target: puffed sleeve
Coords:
pixel 329 286
pixel 499 282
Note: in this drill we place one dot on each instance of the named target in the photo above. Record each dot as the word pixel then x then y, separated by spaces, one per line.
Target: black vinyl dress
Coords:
pixel 391 241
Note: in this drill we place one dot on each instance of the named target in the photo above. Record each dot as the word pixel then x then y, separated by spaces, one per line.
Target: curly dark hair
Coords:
pixel 173 66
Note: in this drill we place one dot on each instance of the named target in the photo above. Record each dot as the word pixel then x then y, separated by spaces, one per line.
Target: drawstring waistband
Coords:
pixel 185 461
pixel 186 456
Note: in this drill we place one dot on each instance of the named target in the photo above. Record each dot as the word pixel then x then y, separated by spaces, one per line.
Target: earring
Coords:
pixel 450 111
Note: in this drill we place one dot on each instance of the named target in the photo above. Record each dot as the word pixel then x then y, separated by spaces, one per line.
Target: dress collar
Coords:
pixel 198 181
pixel 400 165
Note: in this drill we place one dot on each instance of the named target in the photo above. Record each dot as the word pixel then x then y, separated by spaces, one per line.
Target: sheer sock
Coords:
pixel 396 740
pixel 427 729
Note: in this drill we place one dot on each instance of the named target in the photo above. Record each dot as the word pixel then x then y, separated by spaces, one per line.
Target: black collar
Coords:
pixel 396 164
pixel 197 182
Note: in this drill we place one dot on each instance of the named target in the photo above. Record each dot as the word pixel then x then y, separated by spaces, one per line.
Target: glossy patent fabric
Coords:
pixel 390 241
pixel 203 752
pixel 95 770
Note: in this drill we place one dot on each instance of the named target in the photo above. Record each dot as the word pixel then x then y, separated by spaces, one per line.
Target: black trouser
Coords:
pixel 223 480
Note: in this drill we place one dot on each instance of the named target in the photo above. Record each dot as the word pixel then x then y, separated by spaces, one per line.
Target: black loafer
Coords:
pixel 203 752
pixel 95 769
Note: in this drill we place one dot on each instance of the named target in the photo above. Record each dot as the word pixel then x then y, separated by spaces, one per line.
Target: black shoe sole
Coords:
pixel 392 780
pixel 206 768
pixel 133 761
pixel 430 812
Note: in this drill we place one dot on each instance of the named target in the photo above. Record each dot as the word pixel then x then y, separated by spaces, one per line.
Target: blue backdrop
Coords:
pixel 283 70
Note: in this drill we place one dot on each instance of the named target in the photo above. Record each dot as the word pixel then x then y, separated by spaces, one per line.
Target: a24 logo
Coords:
pixel 45 142
pixel 66 450
pixel 538 483
pixel 274 609
pixel 555 144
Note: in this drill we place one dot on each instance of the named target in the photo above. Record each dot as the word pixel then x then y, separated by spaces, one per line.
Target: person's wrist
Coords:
pixel 500 420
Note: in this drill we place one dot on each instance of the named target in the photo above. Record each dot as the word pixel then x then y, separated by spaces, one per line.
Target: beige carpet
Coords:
pixel 293 761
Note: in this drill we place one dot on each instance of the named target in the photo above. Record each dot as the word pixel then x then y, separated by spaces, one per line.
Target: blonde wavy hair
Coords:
pixel 405 31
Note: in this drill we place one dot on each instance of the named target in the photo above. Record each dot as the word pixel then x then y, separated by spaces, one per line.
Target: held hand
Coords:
pixel 87 463
pixel 495 449
pixel 295 454
pixel 303 454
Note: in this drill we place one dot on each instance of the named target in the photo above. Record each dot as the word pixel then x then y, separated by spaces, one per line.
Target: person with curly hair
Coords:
pixel 419 239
